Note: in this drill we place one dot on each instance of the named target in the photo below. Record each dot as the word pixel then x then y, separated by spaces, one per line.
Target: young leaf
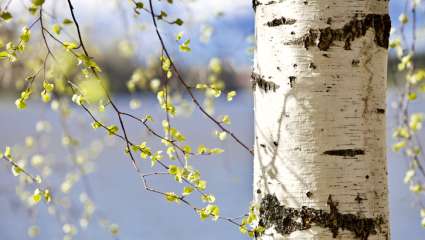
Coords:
pixel 5 15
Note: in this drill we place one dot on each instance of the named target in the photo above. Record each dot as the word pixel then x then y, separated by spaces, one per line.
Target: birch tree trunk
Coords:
pixel 319 80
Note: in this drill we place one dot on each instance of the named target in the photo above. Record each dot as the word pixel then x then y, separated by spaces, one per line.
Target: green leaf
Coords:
pixel 112 130
pixel 47 195
pixel 149 118
pixel 4 54
pixel 401 133
pixel 156 157
pixel 139 5
pixel 215 65
pixel 201 86
pixel 243 229
pixel 221 135
pixel 231 95
pixel 36 196
pixel 214 211
pixel 77 99
pixel 20 104
pixel 5 15
pixel 33 9
pixel 226 119
pixel 208 198
pixel 179 22
pixel 145 150
pixel 37 2
pixel 202 185
pixel 162 15
pixel 416 188
pixel 187 191
pixel 26 34
pixel 95 125
pixel 210 210
pixel 412 96
pixel 48 86
pixel 415 122
pixel 179 36
pixel 185 46
pixel 57 29
pixel 171 197
pixel 67 21
pixel 202 149
pixel 114 229
pixel 398 146
pixel 172 169
pixel 216 151
pixel 409 175
pixel 8 152
pixel 70 45
pixel 395 43
pixel 403 19
pixel 46 96
pixel 16 170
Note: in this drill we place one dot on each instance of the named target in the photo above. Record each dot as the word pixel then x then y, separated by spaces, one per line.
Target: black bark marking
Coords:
pixel 292 81
pixel 256 3
pixel 309 194
pixel 345 152
pixel 286 220
pixel 355 62
pixel 259 81
pixel 281 21
pixel 356 28
pixel 359 199
pixel 380 110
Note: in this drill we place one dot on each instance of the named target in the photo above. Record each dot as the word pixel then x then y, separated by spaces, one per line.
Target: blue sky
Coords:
pixel 231 30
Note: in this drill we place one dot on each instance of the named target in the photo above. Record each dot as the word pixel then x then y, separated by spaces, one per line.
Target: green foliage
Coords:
pixel 178 21
pixel 5 15
pixel 67 74
pixel 407 140
pixel 37 2
pixel 56 28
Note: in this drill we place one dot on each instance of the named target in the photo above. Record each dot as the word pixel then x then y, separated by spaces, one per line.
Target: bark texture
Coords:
pixel 319 83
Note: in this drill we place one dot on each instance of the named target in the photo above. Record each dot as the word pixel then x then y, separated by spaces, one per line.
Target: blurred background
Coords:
pixel 58 142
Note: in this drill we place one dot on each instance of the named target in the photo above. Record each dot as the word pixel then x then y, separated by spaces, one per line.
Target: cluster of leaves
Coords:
pixel 409 122
pixel 68 73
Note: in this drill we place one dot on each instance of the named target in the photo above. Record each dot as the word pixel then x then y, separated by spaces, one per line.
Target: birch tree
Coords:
pixel 319 83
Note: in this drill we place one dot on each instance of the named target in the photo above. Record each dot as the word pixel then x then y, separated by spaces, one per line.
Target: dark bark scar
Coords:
pixel 286 220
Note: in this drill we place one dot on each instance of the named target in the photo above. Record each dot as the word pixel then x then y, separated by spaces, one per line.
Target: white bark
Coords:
pixel 320 113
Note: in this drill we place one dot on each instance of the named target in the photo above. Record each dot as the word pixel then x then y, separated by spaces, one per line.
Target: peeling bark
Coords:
pixel 259 81
pixel 323 38
pixel 286 220
pixel 281 21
